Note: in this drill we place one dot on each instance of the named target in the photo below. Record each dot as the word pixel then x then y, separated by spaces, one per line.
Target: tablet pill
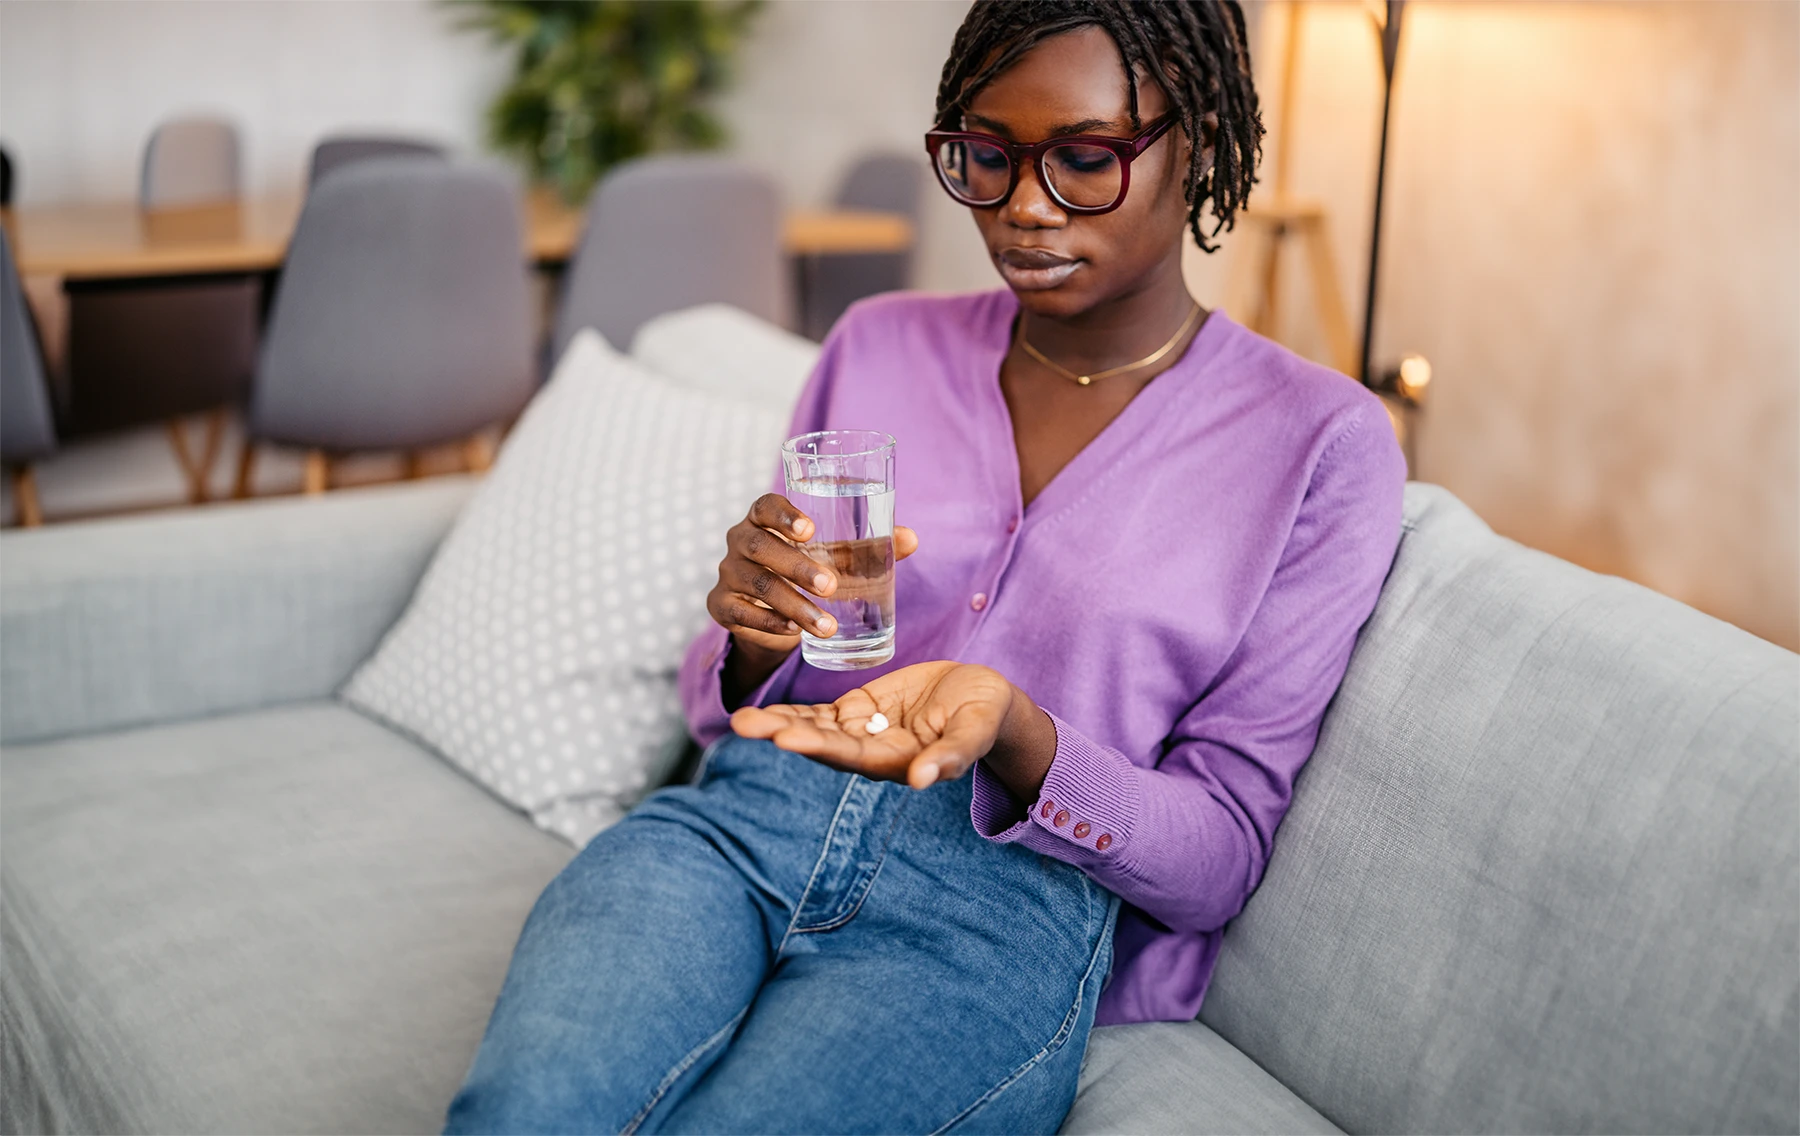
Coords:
pixel 877 724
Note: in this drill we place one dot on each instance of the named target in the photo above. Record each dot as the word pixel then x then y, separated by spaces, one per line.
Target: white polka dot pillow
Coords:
pixel 539 653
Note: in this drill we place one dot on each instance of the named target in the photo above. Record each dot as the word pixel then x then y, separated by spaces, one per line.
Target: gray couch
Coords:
pixel 1540 874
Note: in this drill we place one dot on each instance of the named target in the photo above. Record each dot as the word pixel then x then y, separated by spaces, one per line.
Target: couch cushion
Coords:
pixel 1180 1077
pixel 284 921
pixel 1539 874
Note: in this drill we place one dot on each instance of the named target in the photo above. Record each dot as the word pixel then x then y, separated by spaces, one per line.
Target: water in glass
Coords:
pixel 844 481
pixel 854 533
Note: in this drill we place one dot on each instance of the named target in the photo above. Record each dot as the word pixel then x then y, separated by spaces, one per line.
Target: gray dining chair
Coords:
pixel 669 232
pixel 892 183
pixel 191 161
pixel 27 425
pixel 146 351
pixel 402 319
pixel 343 149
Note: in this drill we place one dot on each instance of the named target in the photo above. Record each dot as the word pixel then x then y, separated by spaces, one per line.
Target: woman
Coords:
pixel 1145 541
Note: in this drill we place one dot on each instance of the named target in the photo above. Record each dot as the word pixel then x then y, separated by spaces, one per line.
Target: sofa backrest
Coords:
pixel 1540 873
pixel 127 621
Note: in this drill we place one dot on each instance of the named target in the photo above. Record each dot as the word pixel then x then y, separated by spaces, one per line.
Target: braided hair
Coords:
pixel 1195 50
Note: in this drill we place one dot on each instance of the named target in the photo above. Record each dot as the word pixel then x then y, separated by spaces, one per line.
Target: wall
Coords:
pixel 83 84
pixel 1593 231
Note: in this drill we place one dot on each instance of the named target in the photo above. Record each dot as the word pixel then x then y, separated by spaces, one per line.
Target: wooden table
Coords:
pixel 117 240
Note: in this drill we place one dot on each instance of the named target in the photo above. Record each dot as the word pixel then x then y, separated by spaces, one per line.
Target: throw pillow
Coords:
pixel 726 351
pixel 539 652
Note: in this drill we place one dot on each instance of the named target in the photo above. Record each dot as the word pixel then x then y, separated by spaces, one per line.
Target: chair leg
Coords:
pixel 25 498
pixel 409 469
pixel 196 477
pixel 478 453
pixel 318 473
pixel 198 471
pixel 246 466
pixel 215 440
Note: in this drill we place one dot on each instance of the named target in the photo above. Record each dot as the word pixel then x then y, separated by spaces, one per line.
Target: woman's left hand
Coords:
pixel 942 718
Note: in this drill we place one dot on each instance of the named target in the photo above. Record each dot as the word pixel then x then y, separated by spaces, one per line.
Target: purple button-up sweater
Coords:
pixel 1182 600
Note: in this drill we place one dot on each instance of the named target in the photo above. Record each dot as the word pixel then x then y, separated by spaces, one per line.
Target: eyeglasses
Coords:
pixel 1085 173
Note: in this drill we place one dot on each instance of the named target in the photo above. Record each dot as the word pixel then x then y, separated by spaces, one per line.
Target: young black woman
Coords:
pixel 1144 541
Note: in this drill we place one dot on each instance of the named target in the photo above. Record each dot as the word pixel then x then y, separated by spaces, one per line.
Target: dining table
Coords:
pixel 118 240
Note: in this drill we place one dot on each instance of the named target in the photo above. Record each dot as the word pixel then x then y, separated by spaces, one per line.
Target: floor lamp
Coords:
pixel 1405 383
pixel 1287 217
pixel 1389 27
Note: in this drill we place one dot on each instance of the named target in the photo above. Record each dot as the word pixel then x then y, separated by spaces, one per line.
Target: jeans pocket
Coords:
pixel 734 754
pixel 704 767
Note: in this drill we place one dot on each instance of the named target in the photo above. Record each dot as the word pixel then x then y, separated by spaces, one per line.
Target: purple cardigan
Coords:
pixel 1182 599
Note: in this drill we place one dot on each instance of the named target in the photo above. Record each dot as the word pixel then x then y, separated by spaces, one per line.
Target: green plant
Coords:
pixel 596 82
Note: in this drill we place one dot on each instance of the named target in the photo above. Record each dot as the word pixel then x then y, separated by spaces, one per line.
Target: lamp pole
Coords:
pixel 1390 50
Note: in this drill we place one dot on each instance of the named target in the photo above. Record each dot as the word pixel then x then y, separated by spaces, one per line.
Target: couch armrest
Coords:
pixel 149 619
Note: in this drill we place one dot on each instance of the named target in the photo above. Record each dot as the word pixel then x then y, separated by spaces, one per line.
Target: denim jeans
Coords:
pixel 780 947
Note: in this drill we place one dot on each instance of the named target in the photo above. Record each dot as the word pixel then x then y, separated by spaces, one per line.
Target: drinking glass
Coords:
pixel 844 481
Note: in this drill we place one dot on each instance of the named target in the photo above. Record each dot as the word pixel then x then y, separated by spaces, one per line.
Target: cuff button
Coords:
pixel 1047 807
pixel 1082 829
pixel 1061 818
pixel 1104 842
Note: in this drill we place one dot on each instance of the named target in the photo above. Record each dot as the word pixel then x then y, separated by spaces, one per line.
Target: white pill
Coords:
pixel 877 724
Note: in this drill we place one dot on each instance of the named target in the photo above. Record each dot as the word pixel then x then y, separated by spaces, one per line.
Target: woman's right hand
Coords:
pixel 765 582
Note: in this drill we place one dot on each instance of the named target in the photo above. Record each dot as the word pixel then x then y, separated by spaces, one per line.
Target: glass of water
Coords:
pixel 844 481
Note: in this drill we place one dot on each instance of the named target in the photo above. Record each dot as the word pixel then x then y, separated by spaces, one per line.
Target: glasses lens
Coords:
pixel 975 173
pixel 1086 177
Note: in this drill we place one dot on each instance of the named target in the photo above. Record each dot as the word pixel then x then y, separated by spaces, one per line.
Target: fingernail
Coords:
pixel 820 583
pixel 792 626
pixel 827 625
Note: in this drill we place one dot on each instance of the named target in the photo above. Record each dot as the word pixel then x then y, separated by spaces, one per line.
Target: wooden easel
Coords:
pixel 1287 216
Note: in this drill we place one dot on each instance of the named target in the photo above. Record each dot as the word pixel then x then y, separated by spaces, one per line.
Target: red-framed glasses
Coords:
pixel 1085 173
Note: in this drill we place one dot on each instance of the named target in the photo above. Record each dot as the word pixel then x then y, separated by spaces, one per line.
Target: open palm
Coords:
pixel 942 718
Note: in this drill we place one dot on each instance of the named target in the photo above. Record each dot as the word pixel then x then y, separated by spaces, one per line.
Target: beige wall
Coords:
pixel 1593 231
pixel 82 85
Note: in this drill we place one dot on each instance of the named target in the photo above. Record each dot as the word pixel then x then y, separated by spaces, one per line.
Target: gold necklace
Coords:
pixel 1084 380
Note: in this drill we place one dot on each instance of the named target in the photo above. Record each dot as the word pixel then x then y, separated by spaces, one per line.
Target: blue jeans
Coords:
pixel 780 947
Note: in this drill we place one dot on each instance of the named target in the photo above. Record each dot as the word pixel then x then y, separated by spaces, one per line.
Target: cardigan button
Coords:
pixel 1104 842
pixel 1061 818
pixel 1049 805
pixel 1082 829
pixel 978 601
pixel 1012 526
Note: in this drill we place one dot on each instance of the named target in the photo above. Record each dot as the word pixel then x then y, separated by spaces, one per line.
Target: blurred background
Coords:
pixel 1589 225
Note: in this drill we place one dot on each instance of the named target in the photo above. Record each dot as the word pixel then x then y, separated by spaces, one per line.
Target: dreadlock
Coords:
pixel 1194 49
